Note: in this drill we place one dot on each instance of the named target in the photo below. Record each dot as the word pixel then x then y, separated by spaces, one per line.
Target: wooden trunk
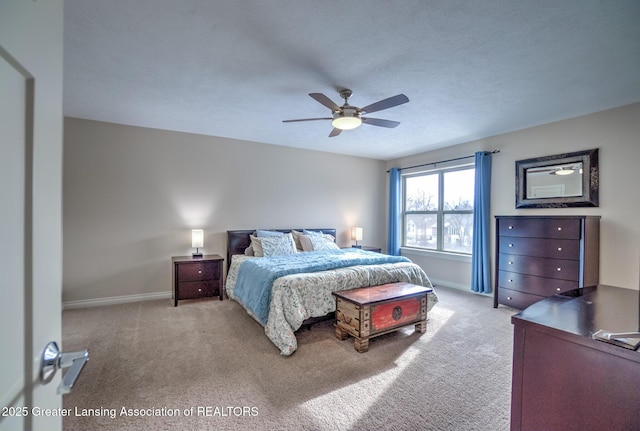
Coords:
pixel 368 312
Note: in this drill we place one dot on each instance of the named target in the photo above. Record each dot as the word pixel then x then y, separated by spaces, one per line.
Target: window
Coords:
pixel 438 210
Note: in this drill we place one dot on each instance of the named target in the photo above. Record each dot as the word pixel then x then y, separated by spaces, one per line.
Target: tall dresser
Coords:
pixel 540 256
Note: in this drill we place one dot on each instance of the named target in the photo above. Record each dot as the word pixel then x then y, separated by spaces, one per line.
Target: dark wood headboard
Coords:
pixel 238 240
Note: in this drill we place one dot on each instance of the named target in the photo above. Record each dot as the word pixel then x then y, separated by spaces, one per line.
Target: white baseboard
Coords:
pixel 112 300
pixel 465 287
pixel 447 283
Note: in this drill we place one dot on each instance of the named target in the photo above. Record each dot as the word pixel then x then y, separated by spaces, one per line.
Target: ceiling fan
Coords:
pixel 347 117
pixel 566 169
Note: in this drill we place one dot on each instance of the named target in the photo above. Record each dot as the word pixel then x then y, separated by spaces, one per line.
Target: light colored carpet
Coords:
pixel 211 365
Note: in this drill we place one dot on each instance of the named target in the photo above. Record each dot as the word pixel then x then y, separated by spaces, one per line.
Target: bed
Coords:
pixel 285 290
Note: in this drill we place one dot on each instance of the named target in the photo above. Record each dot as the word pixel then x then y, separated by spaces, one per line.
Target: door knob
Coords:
pixel 53 360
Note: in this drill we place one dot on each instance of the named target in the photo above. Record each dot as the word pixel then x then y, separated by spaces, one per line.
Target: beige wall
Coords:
pixel 131 196
pixel 616 133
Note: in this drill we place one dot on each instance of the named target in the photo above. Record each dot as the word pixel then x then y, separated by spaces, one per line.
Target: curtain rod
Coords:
pixel 445 161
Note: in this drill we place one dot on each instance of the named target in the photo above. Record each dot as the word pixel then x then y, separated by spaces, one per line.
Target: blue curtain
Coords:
pixel 393 240
pixel 480 258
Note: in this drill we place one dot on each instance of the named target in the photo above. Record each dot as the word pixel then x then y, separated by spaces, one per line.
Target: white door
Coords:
pixel 14 249
pixel 30 228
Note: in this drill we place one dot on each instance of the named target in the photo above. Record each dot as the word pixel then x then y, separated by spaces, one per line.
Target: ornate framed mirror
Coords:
pixel 559 181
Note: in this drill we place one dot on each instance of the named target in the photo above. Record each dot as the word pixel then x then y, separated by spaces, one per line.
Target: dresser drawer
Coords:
pixel 541 247
pixel 540 228
pixel 551 268
pixel 197 271
pixel 197 289
pixel 515 299
pixel 533 284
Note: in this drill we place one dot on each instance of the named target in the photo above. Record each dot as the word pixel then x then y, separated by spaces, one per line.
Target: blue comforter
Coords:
pixel 256 276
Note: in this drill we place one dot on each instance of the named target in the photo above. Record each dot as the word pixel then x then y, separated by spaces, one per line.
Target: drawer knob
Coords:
pixel 557 289
pixel 559 248
pixel 559 269
pixel 510 263
pixel 199 290
pixel 559 228
pixel 508 298
pixel 510 281
pixel 510 245
pixel 199 272
pixel 510 227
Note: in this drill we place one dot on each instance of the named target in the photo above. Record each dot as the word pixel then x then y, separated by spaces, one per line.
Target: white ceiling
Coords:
pixel 236 69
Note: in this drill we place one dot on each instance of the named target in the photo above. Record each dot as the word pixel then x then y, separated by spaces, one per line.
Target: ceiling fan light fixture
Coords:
pixel 563 171
pixel 347 120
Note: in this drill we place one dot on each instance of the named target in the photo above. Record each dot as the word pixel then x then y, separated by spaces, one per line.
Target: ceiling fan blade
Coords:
pixel 335 132
pixel 386 104
pixel 379 122
pixel 307 119
pixel 319 97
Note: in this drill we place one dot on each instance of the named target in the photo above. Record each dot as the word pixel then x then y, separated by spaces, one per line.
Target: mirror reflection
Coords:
pixel 562 180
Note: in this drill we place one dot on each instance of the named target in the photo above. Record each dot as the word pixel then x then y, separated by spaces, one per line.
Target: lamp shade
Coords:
pixel 356 233
pixel 197 238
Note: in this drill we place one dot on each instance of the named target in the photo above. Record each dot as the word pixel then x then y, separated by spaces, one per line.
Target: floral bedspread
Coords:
pixel 297 297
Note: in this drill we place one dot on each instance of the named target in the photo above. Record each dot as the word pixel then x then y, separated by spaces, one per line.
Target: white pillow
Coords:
pixel 329 237
pixel 305 242
pixel 256 245
pixel 263 233
pixel 318 233
pixel 278 245
pixel 322 243
pixel 296 239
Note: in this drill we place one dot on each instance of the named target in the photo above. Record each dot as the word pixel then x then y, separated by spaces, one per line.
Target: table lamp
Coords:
pixel 197 241
pixel 356 235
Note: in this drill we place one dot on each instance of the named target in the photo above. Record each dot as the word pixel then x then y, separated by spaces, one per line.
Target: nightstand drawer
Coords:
pixel 197 289
pixel 197 272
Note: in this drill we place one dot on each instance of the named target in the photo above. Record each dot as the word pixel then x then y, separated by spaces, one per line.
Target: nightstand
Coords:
pixel 197 278
pixel 367 248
